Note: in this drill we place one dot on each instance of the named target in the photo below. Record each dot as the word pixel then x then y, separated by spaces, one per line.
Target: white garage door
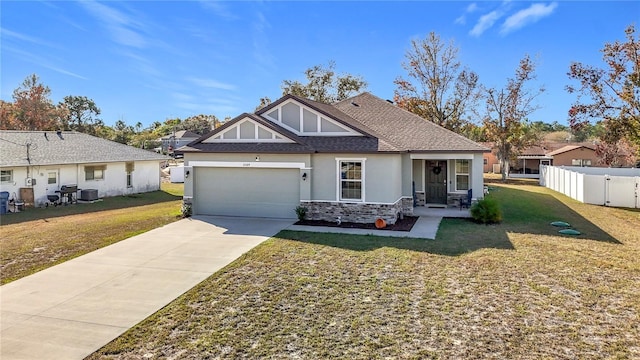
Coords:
pixel 252 192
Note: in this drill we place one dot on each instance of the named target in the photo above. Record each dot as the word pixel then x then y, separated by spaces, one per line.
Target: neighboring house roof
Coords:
pixel 567 148
pixel 67 147
pixel 384 126
pixel 182 134
pixel 534 151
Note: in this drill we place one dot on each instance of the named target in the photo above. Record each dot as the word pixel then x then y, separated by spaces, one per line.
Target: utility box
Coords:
pixel 89 194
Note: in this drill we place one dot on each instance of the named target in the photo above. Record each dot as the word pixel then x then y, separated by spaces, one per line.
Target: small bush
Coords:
pixel 486 211
pixel 301 212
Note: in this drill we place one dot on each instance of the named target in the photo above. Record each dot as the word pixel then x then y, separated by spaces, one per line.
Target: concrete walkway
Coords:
pixel 425 228
pixel 70 310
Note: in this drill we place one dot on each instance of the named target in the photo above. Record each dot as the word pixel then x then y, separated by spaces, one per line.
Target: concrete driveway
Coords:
pixel 70 310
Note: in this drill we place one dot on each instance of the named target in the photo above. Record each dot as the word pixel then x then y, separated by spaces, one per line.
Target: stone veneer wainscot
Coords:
pixel 358 212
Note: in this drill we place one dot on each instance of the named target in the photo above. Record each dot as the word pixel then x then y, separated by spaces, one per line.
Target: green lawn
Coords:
pixel 513 290
pixel 36 239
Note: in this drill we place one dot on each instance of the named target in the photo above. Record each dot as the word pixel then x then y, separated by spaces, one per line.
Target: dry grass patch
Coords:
pixel 46 237
pixel 514 290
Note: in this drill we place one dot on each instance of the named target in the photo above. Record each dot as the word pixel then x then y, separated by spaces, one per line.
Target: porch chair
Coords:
pixel 466 201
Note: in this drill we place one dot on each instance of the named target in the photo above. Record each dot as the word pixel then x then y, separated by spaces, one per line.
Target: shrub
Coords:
pixel 301 212
pixel 486 211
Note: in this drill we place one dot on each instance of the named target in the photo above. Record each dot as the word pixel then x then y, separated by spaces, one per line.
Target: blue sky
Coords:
pixel 145 61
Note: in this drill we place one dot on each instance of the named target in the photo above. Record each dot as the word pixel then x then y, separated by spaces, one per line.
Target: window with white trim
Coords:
pixel 462 174
pixel 6 175
pixel 581 162
pixel 94 172
pixel 351 180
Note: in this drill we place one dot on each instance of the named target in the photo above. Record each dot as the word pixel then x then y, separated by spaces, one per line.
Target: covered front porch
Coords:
pixel 442 180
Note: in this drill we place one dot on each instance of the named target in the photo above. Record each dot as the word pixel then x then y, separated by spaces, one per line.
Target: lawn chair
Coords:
pixel 466 201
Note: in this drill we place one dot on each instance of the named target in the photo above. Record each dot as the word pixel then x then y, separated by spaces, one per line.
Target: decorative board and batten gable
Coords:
pixel 305 121
pixel 247 130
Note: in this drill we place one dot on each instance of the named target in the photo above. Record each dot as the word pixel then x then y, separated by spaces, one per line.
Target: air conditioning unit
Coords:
pixel 30 182
pixel 89 194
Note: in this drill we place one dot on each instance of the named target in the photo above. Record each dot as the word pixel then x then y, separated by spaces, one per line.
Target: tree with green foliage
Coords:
pixel 200 124
pixel 437 88
pixel 323 85
pixel 81 114
pixel 264 102
pixel 506 114
pixel 610 94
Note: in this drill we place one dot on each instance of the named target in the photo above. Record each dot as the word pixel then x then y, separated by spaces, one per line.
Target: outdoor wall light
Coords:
pixel 186 175
pixel 258 158
pixel 304 176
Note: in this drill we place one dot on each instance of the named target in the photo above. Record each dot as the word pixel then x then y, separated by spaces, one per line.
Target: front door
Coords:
pixel 436 178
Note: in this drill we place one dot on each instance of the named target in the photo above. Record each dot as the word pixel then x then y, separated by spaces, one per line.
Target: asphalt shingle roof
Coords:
pixel 69 147
pixel 408 131
pixel 386 128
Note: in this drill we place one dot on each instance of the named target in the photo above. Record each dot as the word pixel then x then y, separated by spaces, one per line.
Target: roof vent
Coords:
pixel 389 101
pixel 354 104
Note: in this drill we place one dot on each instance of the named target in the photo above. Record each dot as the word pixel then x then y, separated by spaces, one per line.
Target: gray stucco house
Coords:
pixel 359 159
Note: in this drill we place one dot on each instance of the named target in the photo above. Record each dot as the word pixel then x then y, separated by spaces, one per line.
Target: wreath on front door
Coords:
pixel 437 170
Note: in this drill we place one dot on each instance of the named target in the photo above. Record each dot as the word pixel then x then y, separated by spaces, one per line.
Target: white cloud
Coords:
pixel 485 22
pixel 261 53
pixel 462 19
pixel 527 16
pixel 8 34
pixel 122 28
pixel 218 8
pixel 47 62
pixel 210 83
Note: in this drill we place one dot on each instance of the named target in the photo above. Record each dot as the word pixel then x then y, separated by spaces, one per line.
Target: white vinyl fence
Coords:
pixel 618 187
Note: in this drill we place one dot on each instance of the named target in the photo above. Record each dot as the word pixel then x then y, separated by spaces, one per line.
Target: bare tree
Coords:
pixel 438 88
pixel 506 114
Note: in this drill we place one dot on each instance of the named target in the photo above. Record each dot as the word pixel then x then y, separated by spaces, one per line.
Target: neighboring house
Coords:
pixel 490 159
pixel 557 154
pixel 35 164
pixel 356 160
pixel 574 155
pixel 178 139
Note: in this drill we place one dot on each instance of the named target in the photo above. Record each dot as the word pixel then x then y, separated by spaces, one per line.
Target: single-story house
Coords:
pixel 556 154
pixel 574 155
pixel 35 164
pixel 178 139
pixel 357 160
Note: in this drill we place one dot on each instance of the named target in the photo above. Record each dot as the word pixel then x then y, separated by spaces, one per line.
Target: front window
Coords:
pixel 6 175
pixel 94 172
pixel 351 180
pixel 462 174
